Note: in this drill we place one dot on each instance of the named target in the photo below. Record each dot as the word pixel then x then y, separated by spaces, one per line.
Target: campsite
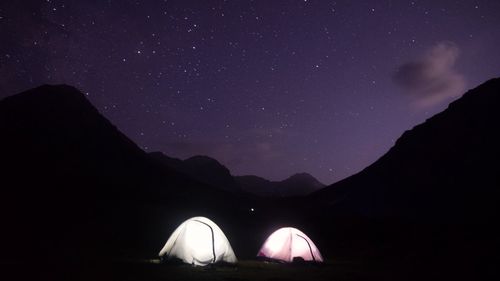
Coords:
pixel 106 226
pixel 239 140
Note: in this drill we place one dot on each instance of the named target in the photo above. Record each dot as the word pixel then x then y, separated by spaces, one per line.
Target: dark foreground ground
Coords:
pixel 245 270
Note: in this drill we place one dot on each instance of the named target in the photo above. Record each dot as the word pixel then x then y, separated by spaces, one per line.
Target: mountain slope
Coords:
pixel 202 168
pixel 296 185
pixel 446 168
pixel 299 184
pixel 209 171
pixel 256 185
pixel 56 133
pixel 71 182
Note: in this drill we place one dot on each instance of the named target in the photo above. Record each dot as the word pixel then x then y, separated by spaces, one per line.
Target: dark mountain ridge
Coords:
pixel 431 202
pixel 446 168
pixel 299 184
pixel 73 186
pixel 72 176
pixel 77 188
pixel 209 171
pixel 202 168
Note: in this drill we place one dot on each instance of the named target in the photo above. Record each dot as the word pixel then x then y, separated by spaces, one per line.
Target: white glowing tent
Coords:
pixel 287 243
pixel 198 241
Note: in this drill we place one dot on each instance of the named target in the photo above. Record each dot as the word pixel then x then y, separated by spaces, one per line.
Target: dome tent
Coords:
pixel 288 243
pixel 198 241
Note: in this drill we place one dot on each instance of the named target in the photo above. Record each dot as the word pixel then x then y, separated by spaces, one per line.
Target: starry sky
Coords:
pixel 269 88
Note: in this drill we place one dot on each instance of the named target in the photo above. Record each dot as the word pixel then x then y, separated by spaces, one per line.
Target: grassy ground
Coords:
pixel 337 270
pixel 244 270
pixel 248 270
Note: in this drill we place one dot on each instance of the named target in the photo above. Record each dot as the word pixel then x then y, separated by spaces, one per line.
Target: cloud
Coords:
pixel 432 78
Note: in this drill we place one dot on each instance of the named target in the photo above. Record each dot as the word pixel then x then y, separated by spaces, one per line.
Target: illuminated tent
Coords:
pixel 198 241
pixel 288 243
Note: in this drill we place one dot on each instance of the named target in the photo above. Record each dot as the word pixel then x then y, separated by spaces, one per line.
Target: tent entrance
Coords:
pixel 213 239
pixel 308 244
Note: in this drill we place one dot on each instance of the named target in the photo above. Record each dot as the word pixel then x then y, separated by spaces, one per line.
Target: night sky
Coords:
pixel 269 88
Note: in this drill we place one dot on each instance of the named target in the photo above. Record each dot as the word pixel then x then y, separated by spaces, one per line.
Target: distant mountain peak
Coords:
pixel 56 118
pixel 298 184
pixel 202 168
pixel 303 177
pixel 49 96
pixel 204 160
pixel 211 172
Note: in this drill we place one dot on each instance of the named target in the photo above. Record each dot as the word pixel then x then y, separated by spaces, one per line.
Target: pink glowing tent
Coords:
pixel 288 243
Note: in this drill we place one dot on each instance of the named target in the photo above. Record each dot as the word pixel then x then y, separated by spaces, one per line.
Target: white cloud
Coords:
pixel 432 78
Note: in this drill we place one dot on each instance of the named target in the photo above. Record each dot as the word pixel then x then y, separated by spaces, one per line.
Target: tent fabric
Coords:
pixel 198 241
pixel 287 243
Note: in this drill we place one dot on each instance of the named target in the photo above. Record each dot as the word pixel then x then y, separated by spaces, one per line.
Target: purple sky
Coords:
pixel 266 87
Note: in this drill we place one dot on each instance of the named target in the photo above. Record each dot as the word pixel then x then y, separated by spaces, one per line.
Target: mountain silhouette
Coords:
pixel 202 168
pixel 209 171
pixel 296 185
pixel 431 202
pixel 257 185
pixel 74 187
pixel 71 179
pixel 444 169
pixel 299 184
pixel 56 134
pixel 85 190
